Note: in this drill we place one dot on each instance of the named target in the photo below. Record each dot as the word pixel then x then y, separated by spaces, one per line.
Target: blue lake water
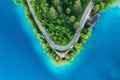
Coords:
pixel 23 58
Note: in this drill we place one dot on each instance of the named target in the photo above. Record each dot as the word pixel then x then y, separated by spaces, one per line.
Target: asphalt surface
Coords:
pixel 77 34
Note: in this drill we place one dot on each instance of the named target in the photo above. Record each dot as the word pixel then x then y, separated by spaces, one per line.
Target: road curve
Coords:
pixel 77 34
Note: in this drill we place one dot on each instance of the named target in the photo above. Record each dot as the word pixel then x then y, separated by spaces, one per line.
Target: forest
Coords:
pixel 60 18
pixel 62 24
pixel 101 5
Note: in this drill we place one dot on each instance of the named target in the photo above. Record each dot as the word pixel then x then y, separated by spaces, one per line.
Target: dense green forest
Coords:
pixel 85 33
pixel 60 18
pixel 101 5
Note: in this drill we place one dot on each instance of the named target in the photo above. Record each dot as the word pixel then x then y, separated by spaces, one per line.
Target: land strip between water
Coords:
pixel 67 47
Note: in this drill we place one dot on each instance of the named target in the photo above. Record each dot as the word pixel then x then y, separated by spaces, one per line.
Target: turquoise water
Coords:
pixel 23 58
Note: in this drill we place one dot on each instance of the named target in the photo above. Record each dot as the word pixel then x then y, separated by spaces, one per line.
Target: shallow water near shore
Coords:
pixel 23 58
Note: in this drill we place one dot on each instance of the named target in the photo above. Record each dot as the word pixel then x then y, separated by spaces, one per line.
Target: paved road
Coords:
pixel 77 34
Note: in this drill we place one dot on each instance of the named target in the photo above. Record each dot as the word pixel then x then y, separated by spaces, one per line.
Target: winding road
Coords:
pixel 83 20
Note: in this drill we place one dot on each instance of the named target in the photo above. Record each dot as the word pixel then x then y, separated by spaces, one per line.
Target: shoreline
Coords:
pixel 44 43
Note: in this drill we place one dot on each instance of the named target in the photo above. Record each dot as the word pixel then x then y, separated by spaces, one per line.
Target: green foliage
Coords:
pixel 60 10
pixel 76 25
pixel 56 2
pixel 68 57
pixel 96 8
pixel 72 19
pixel 100 5
pixel 53 13
pixel 61 19
pixel 77 5
pixel 68 10
pixel 57 58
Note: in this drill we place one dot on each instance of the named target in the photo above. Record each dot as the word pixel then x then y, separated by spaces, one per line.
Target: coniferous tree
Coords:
pixel 53 13
pixel 77 5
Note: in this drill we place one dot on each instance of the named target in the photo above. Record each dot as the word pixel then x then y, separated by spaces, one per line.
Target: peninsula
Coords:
pixel 63 26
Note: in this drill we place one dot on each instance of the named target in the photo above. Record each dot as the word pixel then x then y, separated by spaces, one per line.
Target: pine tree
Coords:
pixel 53 13
pixel 56 2
pixel 77 5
